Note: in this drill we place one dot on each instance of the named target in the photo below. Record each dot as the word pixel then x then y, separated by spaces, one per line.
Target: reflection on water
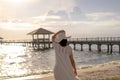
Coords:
pixel 11 62
pixel 23 61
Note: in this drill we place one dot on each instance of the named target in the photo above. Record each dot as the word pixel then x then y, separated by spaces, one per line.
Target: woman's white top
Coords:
pixel 63 68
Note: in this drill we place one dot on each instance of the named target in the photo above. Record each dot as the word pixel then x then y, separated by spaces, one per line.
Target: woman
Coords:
pixel 65 68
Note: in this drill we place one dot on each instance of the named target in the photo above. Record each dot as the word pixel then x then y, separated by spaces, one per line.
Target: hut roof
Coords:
pixel 40 31
pixel 1 38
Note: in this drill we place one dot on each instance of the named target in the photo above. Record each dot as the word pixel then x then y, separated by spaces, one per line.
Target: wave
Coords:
pixel 40 73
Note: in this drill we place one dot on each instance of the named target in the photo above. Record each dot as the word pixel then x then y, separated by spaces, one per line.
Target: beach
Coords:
pixel 105 71
pixel 38 65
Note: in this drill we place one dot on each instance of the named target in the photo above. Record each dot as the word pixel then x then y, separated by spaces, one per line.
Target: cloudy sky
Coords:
pixel 80 18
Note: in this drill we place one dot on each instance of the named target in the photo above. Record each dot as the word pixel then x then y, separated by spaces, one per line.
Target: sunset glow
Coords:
pixel 16 1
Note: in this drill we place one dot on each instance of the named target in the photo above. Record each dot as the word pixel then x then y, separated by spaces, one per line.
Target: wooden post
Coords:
pixel 89 47
pixel 43 41
pixel 49 40
pixel 119 48
pixel 108 48
pixel 38 46
pixel 74 46
pixel 81 47
pixel 111 50
pixel 33 41
pixel 99 47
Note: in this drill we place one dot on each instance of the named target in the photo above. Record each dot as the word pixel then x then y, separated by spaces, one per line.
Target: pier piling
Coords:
pixel 81 47
pixel 74 46
pixel 89 47
pixel 111 48
pixel 108 48
pixel 119 48
pixel 99 47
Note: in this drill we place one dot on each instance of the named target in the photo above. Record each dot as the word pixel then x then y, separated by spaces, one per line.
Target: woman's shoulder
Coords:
pixel 69 47
pixel 55 44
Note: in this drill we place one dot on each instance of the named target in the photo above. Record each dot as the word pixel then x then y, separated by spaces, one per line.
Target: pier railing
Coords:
pixel 96 39
pixel 16 41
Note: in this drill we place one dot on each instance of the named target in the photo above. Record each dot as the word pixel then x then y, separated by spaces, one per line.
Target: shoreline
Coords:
pixel 105 71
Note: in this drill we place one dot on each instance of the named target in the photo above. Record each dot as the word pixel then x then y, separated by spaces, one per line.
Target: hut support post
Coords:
pixel 38 46
pixel 43 41
pixel 49 40
pixel 33 41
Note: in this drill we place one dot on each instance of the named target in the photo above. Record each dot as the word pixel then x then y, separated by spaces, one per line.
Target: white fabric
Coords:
pixel 60 36
pixel 63 68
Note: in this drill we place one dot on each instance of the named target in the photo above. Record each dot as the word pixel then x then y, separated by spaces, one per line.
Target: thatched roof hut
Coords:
pixel 41 37
pixel 40 31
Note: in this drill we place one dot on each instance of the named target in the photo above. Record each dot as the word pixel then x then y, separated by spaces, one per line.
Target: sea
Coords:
pixel 19 61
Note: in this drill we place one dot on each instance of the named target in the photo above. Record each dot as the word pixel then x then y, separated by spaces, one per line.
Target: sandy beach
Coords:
pixel 106 71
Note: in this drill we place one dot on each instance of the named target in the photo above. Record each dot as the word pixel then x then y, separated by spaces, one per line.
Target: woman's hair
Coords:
pixel 63 42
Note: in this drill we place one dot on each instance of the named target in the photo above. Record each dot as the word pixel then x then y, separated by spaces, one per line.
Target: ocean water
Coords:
pixel 21 61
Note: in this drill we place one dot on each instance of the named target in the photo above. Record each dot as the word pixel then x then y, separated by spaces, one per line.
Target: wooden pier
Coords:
pixel 98 41
pixel 17 42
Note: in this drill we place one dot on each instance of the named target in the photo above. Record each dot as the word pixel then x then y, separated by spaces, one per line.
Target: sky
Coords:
pixel 79 18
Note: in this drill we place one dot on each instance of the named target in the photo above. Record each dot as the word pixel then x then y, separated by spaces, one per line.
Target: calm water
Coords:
pixel 20 61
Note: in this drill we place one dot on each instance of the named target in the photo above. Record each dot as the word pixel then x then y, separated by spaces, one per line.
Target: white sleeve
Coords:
pixel 70 50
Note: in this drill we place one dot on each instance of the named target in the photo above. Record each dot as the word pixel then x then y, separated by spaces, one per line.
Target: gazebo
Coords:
pixel 41 38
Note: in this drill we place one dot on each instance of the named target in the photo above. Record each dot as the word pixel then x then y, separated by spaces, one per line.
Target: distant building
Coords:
pixel 41 38
pixel 1 39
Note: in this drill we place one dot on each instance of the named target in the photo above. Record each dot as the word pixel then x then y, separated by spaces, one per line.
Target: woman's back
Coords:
pixel 63 68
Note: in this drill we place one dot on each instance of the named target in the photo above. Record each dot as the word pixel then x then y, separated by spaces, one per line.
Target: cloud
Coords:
pixel 106 24
pixel 57 5
pixel 92 22
pixel 62 14
pixel 35 7
pixel 88 28
pixel 103 16
pixel 43 18
pixel 16 26
pixel 77 14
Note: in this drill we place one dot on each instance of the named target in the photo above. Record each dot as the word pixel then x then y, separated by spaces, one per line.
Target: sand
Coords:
pixel 106 71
